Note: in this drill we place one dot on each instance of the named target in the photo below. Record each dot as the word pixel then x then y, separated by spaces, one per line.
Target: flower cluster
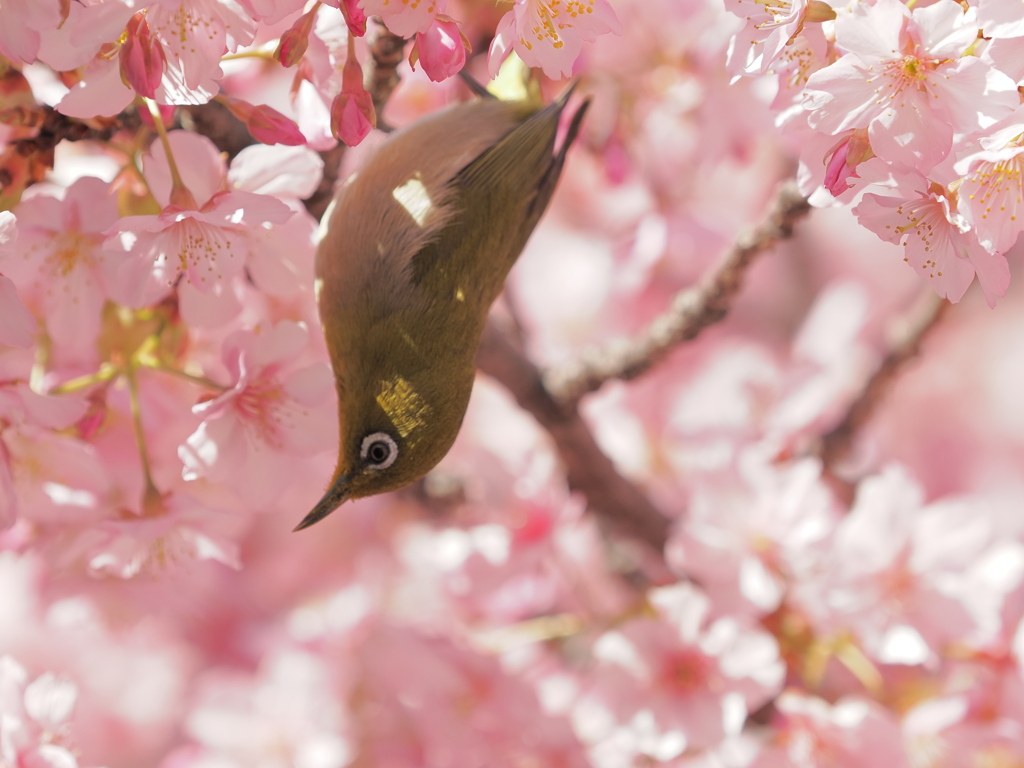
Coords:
pixel 830 572
pixel 912 109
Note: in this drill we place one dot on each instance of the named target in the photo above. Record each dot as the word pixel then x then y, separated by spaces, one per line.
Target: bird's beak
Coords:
pixel 335 495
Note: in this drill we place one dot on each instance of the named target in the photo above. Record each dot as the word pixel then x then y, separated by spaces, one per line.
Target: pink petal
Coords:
pixel 16 323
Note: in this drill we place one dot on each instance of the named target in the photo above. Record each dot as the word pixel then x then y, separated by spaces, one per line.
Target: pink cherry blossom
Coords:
pixel 16 322
pixel 426 700
pixel 904 77
pixel 59 259
pixel 404 17
pixel 289 707
pixel 991 192
pixel 177 531
pixel 922 216
pixel 752 529
pixel 21 21
pixel 843 161
pixel 293 43
pixel 696 679
pixel 43 474
pixel 34 717
pixel 854 732
pixel 549 34
pixel 195 35
pixel 767 29
pixel 897 592
pixel 253 433
pixel 1000 19
pixel 89 29
pixel 208 245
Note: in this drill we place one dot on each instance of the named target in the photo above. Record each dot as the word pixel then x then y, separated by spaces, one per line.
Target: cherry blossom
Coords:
pixel 768 28
pixel 991 190
pixel 914 59
pixel 785 532
pixel 923 216
pixel 16 322
pixel 59 258
pixel 253 432
pixel 678 682
pixel 21 21
pixel 34 717
pixel 854 732
pixel 403 17
pixel 898 595
pixel 208 244
pixel 549 34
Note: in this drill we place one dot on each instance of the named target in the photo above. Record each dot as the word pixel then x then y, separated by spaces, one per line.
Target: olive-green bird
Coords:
pixel 415 250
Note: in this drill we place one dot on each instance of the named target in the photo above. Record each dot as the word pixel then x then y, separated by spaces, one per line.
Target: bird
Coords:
pixel 415 248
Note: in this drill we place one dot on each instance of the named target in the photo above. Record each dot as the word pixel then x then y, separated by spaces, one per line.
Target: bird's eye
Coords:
pixel 379 450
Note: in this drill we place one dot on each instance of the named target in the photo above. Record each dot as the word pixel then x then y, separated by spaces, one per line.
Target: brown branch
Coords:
pixel 386 51
pixel 913 330
pixel 691 311
pixel 611 497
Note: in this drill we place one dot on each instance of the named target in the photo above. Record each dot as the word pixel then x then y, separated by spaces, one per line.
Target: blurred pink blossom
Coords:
pixel 853 732
pixel 21 21
pixel 16 322
pixel 678 681
pixel 33 718
pixel 767 29
pixel 58 261
pixel 901 572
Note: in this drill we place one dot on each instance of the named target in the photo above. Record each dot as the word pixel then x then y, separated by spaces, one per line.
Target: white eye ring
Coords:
pixel 370 450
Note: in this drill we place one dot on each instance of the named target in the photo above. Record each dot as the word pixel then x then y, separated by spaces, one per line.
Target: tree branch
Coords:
pixel 611 497
pixel 913 330
pixel 691 312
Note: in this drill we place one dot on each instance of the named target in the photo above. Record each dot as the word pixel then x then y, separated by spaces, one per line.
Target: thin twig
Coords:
pixel 691 311
pixel 611 497
pixel 386 51
pixel 911 333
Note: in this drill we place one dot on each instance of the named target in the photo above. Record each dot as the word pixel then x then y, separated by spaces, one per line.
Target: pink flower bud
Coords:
pixel 355 17
pixel 352 112
pixel 441 49
pixel 266 124
pixel 842 161
pixel 293 43
pixel 142 57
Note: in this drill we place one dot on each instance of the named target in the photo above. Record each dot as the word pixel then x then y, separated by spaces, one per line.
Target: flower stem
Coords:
pixel 150 494
pixel 201 381
pixel 106 372
pixel 180 196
